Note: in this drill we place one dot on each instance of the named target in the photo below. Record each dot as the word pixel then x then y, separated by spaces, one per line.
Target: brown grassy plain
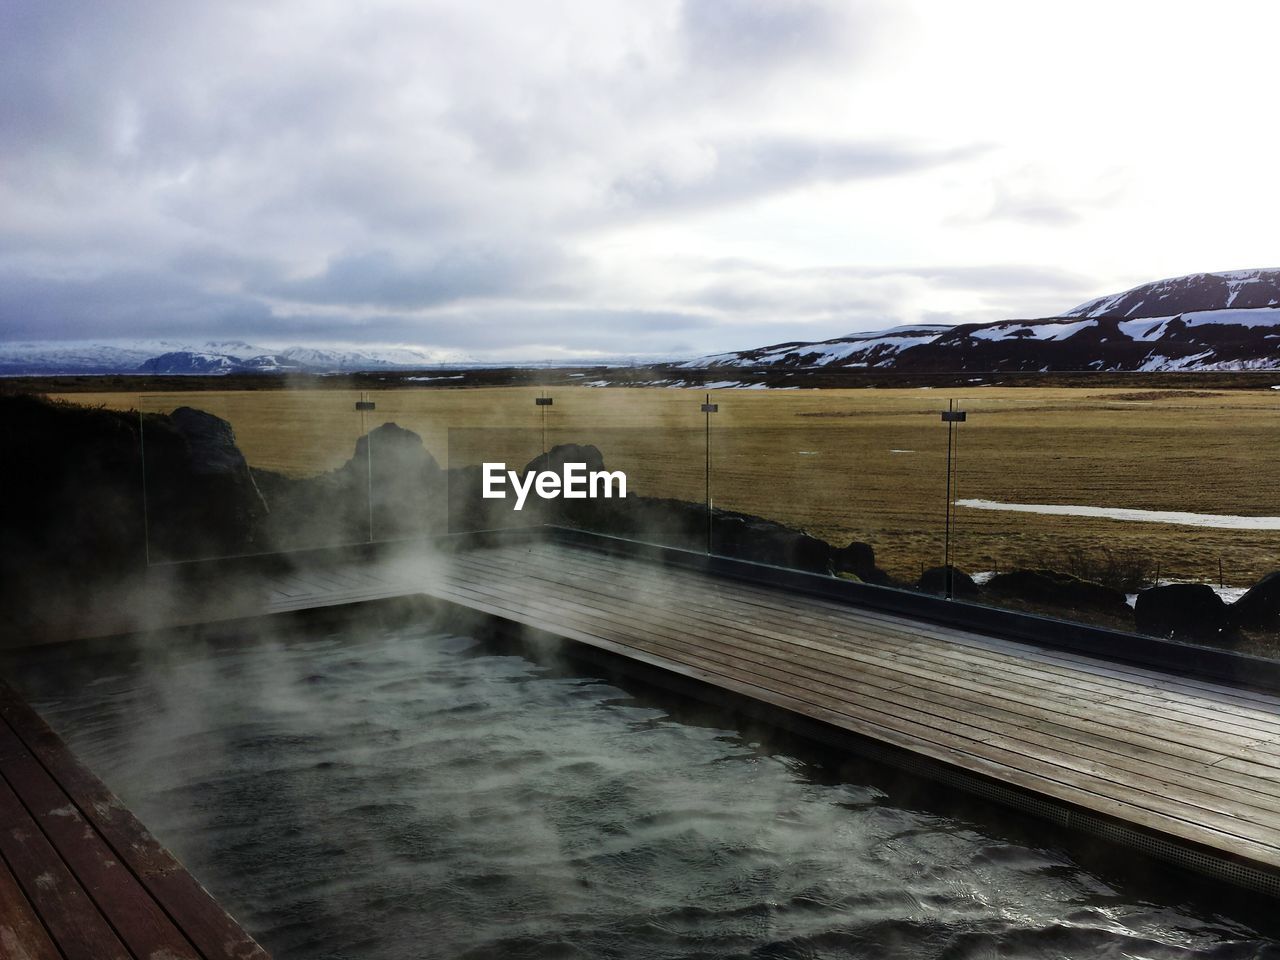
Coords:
pixel 866 464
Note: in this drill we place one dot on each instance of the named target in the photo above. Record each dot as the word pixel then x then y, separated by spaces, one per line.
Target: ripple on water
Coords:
pixel 406 795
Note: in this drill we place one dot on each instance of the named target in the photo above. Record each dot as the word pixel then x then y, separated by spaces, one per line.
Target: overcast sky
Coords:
pixel 672 177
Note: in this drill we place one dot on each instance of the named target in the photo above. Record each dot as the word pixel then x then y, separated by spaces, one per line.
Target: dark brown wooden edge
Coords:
pixel 193 910
pixel 1183 659
pixel 1171 656
pixel 1240 873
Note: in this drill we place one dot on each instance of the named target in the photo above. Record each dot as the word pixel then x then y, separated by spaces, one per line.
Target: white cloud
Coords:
pixel 216 169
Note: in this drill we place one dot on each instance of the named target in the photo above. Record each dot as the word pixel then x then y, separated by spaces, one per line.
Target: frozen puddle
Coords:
pixel 1220 521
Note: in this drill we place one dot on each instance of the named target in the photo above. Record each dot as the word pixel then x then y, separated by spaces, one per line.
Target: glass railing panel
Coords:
pixel 483 432
pixel 655 438
pixel 247 472
pixel 850 482
pixel 404 446
pixel 72 518
pixel 1080 505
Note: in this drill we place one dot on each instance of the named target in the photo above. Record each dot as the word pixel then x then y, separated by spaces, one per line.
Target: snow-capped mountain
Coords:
pixel 874 349
pixel 167 357
pixel 1205 321
pixel 45 357
pixel 1234 289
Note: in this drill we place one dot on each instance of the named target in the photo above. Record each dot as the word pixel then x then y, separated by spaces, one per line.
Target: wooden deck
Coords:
pixel 1185 769
pixel 80 878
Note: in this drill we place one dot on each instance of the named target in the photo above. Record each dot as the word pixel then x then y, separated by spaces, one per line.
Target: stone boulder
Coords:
pixel 403 481
pixel 211 442
pixel 1181 611
pixel 859 559
pixel 934 580
pixel 562 453
pixel 1055 589
pixel 399 492
pixel 763 541
pixel 202 498
pixel 1259 608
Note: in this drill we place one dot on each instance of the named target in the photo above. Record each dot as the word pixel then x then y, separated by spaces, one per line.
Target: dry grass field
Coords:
pixel 853 464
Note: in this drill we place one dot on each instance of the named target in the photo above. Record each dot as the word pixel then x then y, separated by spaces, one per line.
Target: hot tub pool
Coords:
pixel 400 792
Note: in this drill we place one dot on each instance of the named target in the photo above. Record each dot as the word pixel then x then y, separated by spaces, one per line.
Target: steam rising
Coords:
pixel 366 787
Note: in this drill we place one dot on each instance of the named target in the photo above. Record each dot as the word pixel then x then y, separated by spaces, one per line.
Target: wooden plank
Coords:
pixel 136 917
pixel 968 691
pixel 510 575
pixel 336 598
pixel 1152 728
pixel 912 741
pixel 22 935
pixel 1235 812
pixel 65 910
pixel 1093 675
pixel 1048 654
pixel 206 925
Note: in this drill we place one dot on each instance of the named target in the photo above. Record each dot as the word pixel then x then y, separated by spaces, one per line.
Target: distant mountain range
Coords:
pixel 218 357
pixel 1205 321
pixel 45 357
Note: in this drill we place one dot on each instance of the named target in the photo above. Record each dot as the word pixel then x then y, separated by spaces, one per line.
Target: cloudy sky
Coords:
pixel 649 177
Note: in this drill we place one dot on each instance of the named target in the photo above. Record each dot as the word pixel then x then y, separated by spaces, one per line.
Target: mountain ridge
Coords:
pixel 213 357
pixel 1204 321
pixel 1222 321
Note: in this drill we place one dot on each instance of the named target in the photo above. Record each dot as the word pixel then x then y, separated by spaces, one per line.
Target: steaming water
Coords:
pixel 406 794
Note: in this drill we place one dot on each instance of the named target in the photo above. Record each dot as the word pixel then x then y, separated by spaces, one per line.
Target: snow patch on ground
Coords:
pixel 1153 328
pixel 870 349
pixel 1030 331
pixel 1215 520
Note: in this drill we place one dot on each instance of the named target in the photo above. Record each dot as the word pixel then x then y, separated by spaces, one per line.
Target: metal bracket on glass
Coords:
pixel 542 401
pixel 366 405
pixel 954 416
pixel 710 407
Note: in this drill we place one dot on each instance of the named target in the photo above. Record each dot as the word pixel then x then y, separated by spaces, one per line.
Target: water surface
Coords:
pixel 404 794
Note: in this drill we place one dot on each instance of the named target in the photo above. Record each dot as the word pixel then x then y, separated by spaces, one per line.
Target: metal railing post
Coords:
pixel 951 416
pixel 708 408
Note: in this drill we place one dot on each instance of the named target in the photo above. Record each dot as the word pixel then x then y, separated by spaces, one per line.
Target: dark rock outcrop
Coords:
pixel 391 488
pixel 75 521
pixel 562 453
pixel 1259 608
pixel 763 541
pixel 859 559
pixel 202 500
pixel 403 480
pixel 1181 611
pixel 936 580
pixel 1050 588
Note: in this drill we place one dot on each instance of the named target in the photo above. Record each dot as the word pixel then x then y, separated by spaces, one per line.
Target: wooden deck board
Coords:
pixel 22 934
pixel 961 651
pixel 1186 758
pixel 1178 758
pixel 79 876
pixel 856 670
pixel 1181 757
pixel 938 723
